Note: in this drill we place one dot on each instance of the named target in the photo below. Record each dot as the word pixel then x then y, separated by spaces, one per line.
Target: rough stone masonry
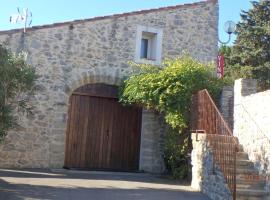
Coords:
pixel 71 54
pixel 206 176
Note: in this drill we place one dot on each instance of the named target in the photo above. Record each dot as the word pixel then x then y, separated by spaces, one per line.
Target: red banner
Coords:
pixel 220 66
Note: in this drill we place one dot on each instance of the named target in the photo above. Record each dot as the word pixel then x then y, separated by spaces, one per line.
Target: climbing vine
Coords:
pixel 168 90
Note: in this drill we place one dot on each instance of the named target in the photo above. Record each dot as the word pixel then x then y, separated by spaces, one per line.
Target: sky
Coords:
pixel 52 11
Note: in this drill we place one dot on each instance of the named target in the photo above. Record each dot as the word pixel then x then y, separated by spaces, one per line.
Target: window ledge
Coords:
pixel 157 50
pixel 147 61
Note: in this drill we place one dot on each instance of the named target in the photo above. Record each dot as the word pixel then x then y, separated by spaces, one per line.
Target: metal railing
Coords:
pixel 206 116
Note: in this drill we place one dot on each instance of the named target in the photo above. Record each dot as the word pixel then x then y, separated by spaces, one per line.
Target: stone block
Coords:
pixel 203 180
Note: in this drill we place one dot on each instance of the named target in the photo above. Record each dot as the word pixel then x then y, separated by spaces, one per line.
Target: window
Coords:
pixel 148 45
pixel 144 48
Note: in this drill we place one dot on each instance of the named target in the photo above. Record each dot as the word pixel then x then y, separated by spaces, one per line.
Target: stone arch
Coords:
pixel 151 129
pixel 106 76
pixel 110 77
pixel 96 116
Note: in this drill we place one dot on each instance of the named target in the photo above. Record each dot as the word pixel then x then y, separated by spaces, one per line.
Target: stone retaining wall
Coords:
pixel 204 178
pixel 226 105
pixel 152 142
pixel 252 123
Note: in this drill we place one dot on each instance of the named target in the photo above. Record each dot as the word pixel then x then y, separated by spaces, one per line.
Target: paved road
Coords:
pixel 74 185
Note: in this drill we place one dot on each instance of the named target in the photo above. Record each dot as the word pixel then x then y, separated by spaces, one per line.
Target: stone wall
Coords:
pixel 69 55
pixel 152 142
pixel 205 178
pixel 252 123
pixel 226 105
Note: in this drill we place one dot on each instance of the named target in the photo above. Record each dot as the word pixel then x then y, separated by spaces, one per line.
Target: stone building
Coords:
pixel 84 61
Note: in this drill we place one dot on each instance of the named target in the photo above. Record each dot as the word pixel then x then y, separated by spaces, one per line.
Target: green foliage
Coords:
pixel 16 83
pixel 253 38
pixel 233 71
pixel 226 51
pixel 252 47
pixel 168 90
pixel 176 152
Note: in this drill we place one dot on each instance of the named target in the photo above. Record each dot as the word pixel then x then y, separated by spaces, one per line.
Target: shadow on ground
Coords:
pixel 94 175
pixel 62 185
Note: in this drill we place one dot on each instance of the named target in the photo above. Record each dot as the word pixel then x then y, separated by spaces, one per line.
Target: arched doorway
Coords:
pixel 101 133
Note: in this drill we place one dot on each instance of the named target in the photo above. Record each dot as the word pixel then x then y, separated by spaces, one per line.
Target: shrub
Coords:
pixel 168 89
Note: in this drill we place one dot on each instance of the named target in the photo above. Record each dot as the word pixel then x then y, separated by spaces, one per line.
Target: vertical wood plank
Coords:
pixel 101 133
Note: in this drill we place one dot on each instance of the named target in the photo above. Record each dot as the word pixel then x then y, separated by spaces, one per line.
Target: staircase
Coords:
pixel 239 172
pixel 248 184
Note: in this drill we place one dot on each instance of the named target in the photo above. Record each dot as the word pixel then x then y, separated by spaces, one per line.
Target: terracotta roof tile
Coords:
pixel 111 16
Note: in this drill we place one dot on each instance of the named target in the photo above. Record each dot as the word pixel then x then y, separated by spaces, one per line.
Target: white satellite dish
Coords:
pixel 24 17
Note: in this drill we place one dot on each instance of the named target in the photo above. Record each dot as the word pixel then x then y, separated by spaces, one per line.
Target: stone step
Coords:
pixel 249 177
pixel 240 148
pixel 247 181
pixel 241 159
pixel 250 186
pixel 221 143
pixel 249 194
pixel 239 156
pixel 245 167
pixel 242 156
pixel 246 171
pixel 225 144
pixel 250 182
pixel 249 198
pixel 241 163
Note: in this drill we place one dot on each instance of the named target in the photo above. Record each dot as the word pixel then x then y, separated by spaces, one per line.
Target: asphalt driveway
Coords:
pixel 77 185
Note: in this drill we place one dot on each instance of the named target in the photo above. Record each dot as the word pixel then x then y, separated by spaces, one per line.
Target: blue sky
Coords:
pixel 51 11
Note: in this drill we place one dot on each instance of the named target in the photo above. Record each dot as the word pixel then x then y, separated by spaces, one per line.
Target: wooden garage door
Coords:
pixel 101 133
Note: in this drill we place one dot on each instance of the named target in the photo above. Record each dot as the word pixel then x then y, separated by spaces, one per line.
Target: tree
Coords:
pixel 168 90
pixel 233 71
pixel 17 80
pixel 226 51
pixel 252 45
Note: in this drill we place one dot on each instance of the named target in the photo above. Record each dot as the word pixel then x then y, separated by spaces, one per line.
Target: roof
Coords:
pixel 188 5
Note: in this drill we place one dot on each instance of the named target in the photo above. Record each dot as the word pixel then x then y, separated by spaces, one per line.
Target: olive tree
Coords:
pixel 17 80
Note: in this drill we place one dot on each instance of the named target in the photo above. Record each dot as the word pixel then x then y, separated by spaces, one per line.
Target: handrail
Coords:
pixel 220 115
pixel 254 121
pixel 206 116
pixel 217 110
